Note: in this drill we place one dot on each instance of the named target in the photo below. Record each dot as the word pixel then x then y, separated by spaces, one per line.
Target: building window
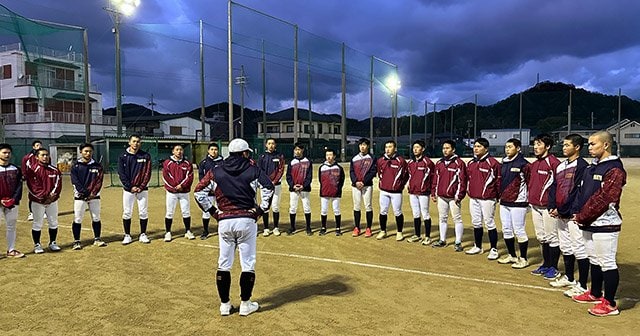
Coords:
pixel 632 136
pixel 175 130
pixel 516 135
pixel 30 105
pixel 273 129
pixel 6 71
pixel 289 128
pixel 307 129
pixel 336 129
pixel 319 128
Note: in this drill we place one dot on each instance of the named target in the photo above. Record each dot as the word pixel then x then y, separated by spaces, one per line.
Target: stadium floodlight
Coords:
pixel 393 84
pixel 125 7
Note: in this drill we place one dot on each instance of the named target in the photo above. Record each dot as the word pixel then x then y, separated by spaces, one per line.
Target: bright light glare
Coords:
pixel 393 83
pixel 126 7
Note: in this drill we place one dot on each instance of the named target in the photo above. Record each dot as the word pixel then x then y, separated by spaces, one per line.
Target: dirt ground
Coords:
pixel 305 285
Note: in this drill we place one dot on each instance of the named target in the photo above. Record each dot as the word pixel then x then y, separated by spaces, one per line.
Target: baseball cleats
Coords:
pixel 356 232
pixel 457 247
pixel 53 247
pixel 323 231
pixel 367 232
pixel 586 297
pixel 604 308
pixel 562 281
pixel 225 308
pixel 520 264
pixel 574 291
pixel 508 259
pixel 15 254
pixel 77 245
pixel 266 232
pixel 399 236
pixel 540 270
pixel 37 248
pixel 248 307
pixel 127 240
pixel 99 243
pixel 414 239
pixel 439 243
pixel 338 233
pixel 381 235
pixel 309 232
pixel 427 241
pixel 551 274
pixel 189 235
pixel 30 217
pixel 276 232
pixel 493 254
pixel 474 250
pixel 167 237
pixel 143 238
pixel 204 235
pixel 291 231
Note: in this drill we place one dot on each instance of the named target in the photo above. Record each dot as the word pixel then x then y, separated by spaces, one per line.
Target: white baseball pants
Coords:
pixel 359 196
pixel 395 199
pixel 185 205
pixel 602 248
pixel 80 206
pixel 419 206
pixel 513 222
pixel 241 233
pixel 127 204
pixel 39 210
pixel 11 218
pixel 483 210
pixel 324 205
pixel 446 205
pixel 293 201
pixel 546 227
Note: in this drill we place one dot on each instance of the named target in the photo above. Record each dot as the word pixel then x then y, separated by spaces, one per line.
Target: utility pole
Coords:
pixel 242 81
pixel 153 104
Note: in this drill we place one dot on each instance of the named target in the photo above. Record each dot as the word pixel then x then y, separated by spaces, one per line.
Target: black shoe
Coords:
pixel 291 231
pixel 338 232
pixel 204 235
pixel 309 233
pixel 322 232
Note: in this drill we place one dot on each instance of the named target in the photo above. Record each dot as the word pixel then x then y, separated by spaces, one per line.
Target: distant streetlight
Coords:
pixel 116 9
pixel 393 84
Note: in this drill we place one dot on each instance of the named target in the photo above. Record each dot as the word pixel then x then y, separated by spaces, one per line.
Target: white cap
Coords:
pixel 238 145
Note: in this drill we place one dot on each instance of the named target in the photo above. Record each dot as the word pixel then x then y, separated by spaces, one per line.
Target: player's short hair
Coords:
pixel 391 142
pixel 482 141
pixel 135 135
pixel 274 140
pixel 515 142
pixel 6 146
pixel 330 150
pixel 213 144
pixel 364 141
pixel 36 142
pixel 85 145
pixel 544 138
pixel 450 143
pixel 41 150
pixel 604 136
pixel 576 140
pixel 176 145
pixel 421 143
pixel 298 145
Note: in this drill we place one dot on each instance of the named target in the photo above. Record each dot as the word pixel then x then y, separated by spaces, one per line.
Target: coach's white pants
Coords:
pixel 395 199
pixel 11 218
pixel 359 196
pixel 39 210
pixel 127 204
pixel 293 201
pixel 185 206
pixel 602 248
pixel 275 200
pixel 419 206
pixel 80 206
pixel 241 233
pixel 482 210
pixel 546 227
pixel 324 205
pixel 444 206
pixel 513 221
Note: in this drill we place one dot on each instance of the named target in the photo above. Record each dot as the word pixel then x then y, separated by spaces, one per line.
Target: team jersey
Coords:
pixel 175 173
pixel 450 178
pixel 273 165
pixel 331 179
pixel 11 183
pixel 299 171
pixel 392 173
pixel 420 175
pixel 44 182
pixel 540 182
pixel 568 176
pixel 484 177
pixel 86 178
pixel 598 197
pixel 362 169
pixel 207 164
pixel 134 169
pixel 514 175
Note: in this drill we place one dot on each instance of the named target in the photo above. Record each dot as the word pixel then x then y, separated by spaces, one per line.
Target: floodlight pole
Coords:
pixel 202 96
pixel 116 32
pixel 343 136
pixel 229 72
pixel 85 80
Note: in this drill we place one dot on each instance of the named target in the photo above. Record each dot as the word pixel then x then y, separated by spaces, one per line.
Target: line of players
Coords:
pixel 574 205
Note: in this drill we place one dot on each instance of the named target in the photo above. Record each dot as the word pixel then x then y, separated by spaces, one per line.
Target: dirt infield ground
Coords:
pixel 306 285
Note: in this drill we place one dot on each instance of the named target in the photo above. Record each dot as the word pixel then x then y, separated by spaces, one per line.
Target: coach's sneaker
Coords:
pixel 604 308
pixel 276 232
pixel 37 248
pixel 266 232
pixel 493 254
pixel 127 240
pixel 586 297
pixel 189 235
pixel 381 235
pixel 457 247
pixel 77 245
pixel 367 233
pixel 474 250
pixel 399 236
pixel 520 264
pixel 225 308
pixel 540 270
pixel 143 238
pixel 53 247
pixel 414 239
pixel 562 281
pixel 248 307
pixel 99 242
pixel 508 259
pixel 15 254
pixel 427 241
pixel 574 291
pixel 439 243
pixel 30 217
pixel 551 274
pixel 356 232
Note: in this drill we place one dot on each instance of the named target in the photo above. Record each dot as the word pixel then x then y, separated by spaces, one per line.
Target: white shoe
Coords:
pixel 381 235
pixel 189 235
pixel 30 217
pixel 167 237
pixel 521 263
pixel 493 254
pixel 276 232
pixel 575 290
pixel 37 249
pixel 266 233
pixel 562 281
pixel 143 238
pixel 127 240
pixel 248 307
pixel 225 308
pixel 474 250
pixel 53 247
pixel 399 236
pixel 427 241
pixel 508 259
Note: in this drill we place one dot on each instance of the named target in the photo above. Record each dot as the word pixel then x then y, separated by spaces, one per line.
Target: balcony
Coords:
pixel 55 83
pixel 70 56
pixel 57 117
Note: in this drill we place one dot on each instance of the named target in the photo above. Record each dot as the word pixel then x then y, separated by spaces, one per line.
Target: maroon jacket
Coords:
pixel 450 179
pixel 484 177
pixel 392 173
pixel 11 183
pixel 176 173
pixel 331 180
pixel 540 182
pixel 420 175
pixel 44 183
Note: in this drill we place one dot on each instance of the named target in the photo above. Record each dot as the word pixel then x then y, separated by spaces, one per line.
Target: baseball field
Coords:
pixel 305 285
